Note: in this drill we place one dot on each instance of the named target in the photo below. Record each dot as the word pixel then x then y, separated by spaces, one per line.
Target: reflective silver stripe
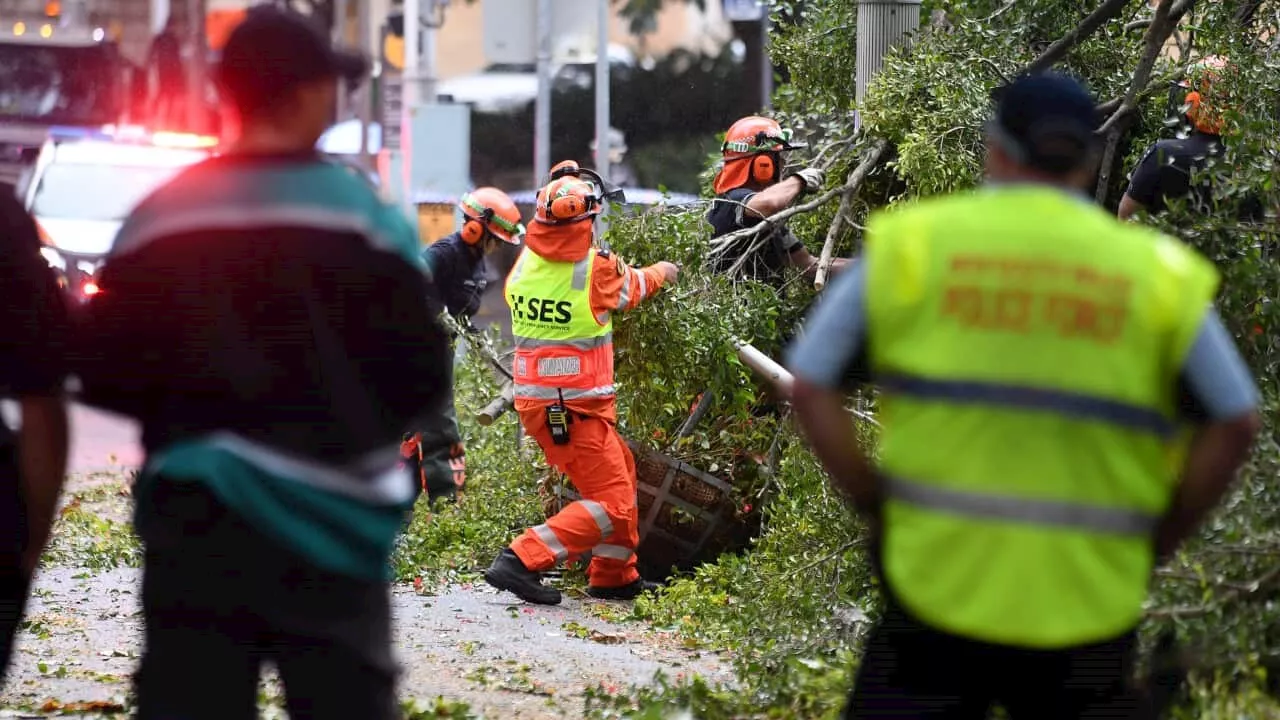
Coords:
pixel 644 289
pixel 613 552
pixel 376 479
pixel 624 297
pixel 1056 513
pixel 600 516
pixel 602 318
pixel 528 343
pixel 518 267
pixel 1078 405
pixel 538 392
pixel 580 273
pixel 548 538
pixel 250 218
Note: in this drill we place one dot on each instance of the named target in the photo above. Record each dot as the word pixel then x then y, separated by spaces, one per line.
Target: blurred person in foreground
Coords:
pixel 457 262
pixel 1037 360
pixel 264 316
pixel 33 368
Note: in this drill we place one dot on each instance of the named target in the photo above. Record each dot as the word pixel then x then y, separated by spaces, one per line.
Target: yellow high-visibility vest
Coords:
pixel 1027 347
pixel 562 349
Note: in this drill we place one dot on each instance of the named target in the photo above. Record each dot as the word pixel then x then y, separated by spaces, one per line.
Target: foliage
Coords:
pixel 790 609
pixel 92 529
pixel 454 542
pixel 783 627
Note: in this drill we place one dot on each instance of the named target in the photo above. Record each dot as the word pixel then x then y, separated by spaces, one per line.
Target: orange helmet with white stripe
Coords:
pixel 751 152
pixel 489 210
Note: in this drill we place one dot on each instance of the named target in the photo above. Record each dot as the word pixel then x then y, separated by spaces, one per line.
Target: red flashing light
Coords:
pixel 91 288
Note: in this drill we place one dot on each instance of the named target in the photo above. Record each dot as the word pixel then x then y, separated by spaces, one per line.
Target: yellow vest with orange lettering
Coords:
pixel 1027 347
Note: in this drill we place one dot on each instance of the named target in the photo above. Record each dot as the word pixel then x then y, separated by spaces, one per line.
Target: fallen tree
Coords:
pixel 790 609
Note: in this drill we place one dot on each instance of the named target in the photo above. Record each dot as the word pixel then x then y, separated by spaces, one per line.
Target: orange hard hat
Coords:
pixel 1201 76
pixel 490 209
pixel 567 199
pixel 755 134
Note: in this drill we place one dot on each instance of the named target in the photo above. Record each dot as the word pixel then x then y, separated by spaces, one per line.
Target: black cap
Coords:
pixel 1046 121
pixel 273 50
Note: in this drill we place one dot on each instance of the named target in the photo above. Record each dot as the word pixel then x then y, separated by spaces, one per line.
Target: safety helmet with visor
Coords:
pixel 489 211
pixel 752 152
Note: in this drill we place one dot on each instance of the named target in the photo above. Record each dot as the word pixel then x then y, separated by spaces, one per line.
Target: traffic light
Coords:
pixel 393 39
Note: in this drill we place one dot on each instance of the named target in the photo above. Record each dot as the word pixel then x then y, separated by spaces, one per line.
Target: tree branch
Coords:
pixel 1245 592
pixel 1092 23
pixel 1168 14
pixel 856 177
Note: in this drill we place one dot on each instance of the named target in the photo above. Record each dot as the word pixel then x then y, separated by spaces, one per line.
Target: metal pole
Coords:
pixel 542 106
pixel 427 84
pixel 409 96
pixel 199 49
pixel 882 25
pixel 602 88
pixel 364 99
pixel 340 38
pixel 766 64
pixel 159 15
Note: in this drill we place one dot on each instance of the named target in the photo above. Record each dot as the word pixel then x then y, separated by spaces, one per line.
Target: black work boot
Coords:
pixel 627 592
pixel 508 573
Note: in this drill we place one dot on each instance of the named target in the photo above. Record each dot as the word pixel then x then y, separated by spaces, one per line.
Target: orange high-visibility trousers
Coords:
pixel 605 522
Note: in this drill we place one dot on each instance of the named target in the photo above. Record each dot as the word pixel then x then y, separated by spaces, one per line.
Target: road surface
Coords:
pixel 467 643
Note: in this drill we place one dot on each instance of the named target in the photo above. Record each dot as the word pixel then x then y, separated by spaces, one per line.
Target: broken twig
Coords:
pixel 856 177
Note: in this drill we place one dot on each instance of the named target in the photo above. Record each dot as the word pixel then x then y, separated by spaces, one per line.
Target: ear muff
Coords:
pixel 473 230
pixel 764 169
pixel 570 206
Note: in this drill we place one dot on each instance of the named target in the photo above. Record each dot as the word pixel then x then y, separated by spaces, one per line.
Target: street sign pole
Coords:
pixel 766 63
pixel 602 89
pixel 542 105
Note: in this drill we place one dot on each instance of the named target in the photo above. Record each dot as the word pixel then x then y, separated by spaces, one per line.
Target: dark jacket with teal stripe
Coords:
pixel 264 318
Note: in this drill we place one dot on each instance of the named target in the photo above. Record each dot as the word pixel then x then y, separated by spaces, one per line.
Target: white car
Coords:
pixel 506 87
pixel 85 183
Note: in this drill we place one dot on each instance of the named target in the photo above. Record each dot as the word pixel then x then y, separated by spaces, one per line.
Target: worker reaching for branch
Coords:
pixel 1165 171
pixel 751 186
pixel 457 262
pixel 562 292
pixel 1041 366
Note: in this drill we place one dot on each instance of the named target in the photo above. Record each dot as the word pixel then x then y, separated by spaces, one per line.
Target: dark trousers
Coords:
pixel 14 583
pixel 220 599
pixel 912 671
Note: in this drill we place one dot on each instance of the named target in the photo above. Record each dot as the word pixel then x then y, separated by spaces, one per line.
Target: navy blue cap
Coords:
pixel 273 50
pixel 1046 121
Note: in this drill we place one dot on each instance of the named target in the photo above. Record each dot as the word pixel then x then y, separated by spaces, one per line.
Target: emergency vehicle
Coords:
pixel 84 183
pixel 52 75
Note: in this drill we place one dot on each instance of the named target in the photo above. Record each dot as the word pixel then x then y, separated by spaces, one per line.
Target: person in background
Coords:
pixel 33 369
pixel 1165 171
pixel 267 319
pixel 457 261
pixel 1036 360
pixel 750 187
pixel 165 59
pixel 621 174
pixel 563 291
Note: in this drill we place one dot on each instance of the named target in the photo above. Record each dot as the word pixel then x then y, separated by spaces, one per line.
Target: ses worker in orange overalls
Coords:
pixel 562 292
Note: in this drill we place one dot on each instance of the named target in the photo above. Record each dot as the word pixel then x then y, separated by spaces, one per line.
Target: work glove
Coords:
pixel 813 178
